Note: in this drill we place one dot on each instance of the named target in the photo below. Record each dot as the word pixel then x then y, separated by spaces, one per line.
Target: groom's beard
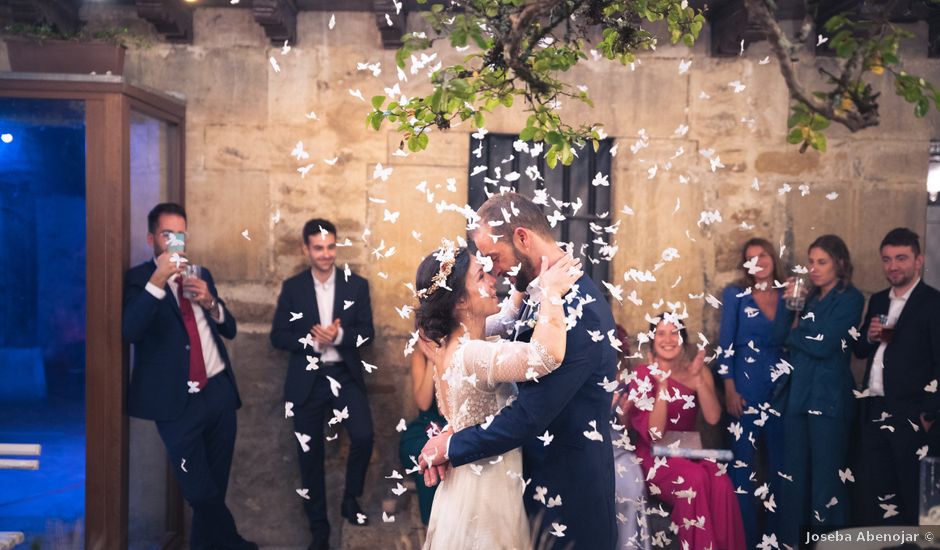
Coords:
pixel 527 272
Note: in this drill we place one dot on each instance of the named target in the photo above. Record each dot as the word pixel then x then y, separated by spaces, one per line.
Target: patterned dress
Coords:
pixel 479 505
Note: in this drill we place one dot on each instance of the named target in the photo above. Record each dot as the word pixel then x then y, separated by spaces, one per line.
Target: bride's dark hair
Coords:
pixel 436 315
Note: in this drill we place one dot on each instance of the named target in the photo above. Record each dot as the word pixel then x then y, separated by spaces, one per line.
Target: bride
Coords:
pixel 479 505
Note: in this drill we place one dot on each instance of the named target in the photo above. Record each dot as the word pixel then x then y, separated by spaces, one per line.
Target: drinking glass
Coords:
pixel 887 331
pixel 797 300
pixel 191 270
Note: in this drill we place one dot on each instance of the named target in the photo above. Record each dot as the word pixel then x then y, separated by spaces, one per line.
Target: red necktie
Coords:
pixel 197 365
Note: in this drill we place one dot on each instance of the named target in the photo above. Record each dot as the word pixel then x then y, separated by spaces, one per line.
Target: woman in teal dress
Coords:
pixel 820 405
pixel 416 434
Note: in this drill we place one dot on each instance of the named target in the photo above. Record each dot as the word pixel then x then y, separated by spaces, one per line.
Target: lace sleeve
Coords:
pixel 503 323
pixel 505 361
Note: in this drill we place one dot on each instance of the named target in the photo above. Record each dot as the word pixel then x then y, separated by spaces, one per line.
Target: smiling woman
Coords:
pixel 670 391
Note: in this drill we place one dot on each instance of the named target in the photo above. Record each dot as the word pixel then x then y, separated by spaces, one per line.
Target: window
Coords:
pixel 502 161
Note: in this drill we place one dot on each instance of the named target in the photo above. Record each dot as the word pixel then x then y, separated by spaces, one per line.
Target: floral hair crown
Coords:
pixel 446 255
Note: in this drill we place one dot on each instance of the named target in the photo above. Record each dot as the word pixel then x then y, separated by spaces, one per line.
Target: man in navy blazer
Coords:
pixel 323 317
pixel 901 378
pixel 182 377
pixel 567 405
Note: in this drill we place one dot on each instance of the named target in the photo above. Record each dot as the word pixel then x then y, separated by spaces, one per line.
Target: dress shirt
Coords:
pixel 876 380
pixel 326 294
pixel 210 353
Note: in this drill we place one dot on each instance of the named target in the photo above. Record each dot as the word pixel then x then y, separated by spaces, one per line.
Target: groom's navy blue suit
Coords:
pixel 579 469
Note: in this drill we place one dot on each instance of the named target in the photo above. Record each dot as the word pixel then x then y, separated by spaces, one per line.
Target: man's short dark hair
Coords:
pixel 529 216
pixel 313 226
pixel 171 208
pixel 902 236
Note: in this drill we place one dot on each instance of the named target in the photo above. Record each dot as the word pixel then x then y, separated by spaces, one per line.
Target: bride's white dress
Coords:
pixel 479 505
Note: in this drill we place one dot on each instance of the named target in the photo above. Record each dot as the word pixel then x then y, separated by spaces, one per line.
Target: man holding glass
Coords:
pixel 182 377
pixel 901 341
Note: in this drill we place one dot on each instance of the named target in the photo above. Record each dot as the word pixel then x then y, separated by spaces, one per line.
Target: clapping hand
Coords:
pixel 696 369
pixel 325 335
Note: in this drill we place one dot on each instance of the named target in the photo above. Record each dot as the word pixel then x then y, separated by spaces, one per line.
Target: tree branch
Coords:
pixel 783 48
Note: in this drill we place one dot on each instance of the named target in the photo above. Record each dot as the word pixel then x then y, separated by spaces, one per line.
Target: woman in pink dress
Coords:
pixel 666 395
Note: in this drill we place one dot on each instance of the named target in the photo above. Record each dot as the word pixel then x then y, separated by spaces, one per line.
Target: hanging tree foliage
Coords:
pixel 518 50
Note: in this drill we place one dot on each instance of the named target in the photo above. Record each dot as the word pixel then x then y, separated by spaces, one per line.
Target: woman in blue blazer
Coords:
pixel 820 404
pixel 753 326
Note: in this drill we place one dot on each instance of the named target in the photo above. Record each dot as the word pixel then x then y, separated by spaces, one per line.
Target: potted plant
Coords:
pixel 42 49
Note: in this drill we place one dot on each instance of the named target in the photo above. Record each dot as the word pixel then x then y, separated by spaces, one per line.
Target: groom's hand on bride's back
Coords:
pixel 433 459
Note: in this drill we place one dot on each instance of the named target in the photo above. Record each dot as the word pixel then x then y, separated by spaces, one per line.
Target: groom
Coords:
pixel 551 417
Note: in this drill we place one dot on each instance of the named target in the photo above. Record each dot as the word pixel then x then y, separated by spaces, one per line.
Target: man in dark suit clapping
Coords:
pixel 323 316
pixel 901 341
pixel 182 377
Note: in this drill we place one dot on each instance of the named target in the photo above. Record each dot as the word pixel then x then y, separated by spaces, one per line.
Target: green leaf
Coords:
pixel 921 107
pixel 795 136
pixel 551 157
pixel 377 119
pixel 818 123
pixel 819 143
pixel 527 133
pixel 377 101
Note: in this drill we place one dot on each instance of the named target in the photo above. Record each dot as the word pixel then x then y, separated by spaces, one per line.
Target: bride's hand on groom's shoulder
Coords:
pixel 558 278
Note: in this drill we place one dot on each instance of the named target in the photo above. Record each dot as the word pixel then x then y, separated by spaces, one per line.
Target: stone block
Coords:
pixel 622 98
pixel 789 162
pixel 220 84
pixel 353 29
pixel 220 205
pixel 235 146
pixel 882 160
pixel 335 195
pixel 643 237
pixel 879 210
pixel 195 148
pixel 320 79
pixel 240 29
pixel 759 111
pixel 814 215
pixel 416 214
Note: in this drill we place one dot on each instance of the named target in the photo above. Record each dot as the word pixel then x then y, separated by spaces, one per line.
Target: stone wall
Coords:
pixel 244 119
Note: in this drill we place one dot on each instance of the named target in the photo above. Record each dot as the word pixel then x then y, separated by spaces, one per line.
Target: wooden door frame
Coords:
pixel 108 104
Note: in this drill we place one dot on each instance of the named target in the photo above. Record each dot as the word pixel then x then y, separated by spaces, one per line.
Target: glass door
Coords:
pixel 82 159
pixel 43 318
pixel 150 486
